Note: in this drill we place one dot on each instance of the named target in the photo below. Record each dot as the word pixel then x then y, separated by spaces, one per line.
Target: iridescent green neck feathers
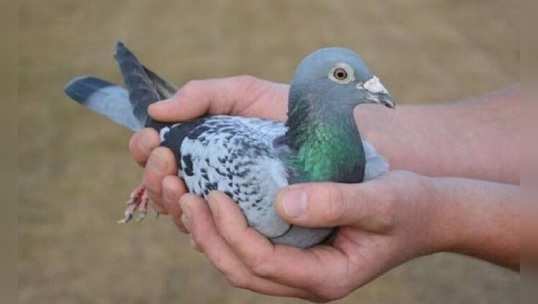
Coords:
pixel 325 143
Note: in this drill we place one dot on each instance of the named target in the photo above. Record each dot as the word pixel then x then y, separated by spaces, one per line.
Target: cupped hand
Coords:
pixel 240 95
pixel 383 223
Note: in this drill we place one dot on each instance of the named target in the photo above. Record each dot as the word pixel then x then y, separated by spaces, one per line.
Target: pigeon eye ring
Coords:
pixel 341 73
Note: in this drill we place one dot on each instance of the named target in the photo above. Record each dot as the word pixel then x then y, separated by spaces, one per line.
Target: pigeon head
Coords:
pixel 327 86
pixel 340 79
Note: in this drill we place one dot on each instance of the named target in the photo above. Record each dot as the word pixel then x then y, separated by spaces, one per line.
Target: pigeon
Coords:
pixel 251 159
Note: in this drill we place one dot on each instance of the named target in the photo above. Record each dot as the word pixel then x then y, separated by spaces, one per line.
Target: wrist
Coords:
pixel 479 219
pixel 439 223
pixel 460 216
pixel 431 217
pixel 445 223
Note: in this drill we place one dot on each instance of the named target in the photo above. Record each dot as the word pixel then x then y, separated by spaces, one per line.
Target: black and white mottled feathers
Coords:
pixel 236 155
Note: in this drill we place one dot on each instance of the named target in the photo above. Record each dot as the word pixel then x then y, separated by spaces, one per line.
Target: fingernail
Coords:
pixel 164 101
pixel 157 162
pixel 153 107
pixel 186 221
pixel 195 246
pixel 185 216
pixel 212 202
pixel 144 144
pixel 168 194
pixel 294 202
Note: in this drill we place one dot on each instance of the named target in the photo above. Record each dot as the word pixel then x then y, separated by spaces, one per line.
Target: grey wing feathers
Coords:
pixel 140 87
pixel 163 87
pixel 376 165
pixel 127 107
pixel 105 98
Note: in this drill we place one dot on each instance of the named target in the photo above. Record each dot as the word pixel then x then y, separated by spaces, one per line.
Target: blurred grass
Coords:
pixel 74 167
pixel 8 156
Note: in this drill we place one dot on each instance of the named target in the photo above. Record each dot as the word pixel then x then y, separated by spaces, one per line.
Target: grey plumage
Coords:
pixel 105 98
pixel 235 155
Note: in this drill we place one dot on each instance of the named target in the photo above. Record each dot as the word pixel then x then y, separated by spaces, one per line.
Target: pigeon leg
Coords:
pixel 143 207
pixel 138 201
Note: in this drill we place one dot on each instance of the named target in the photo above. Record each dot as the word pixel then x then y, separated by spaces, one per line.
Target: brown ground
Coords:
pixel 74 166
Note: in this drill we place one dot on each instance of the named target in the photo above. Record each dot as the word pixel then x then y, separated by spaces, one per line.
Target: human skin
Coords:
pixel 463 197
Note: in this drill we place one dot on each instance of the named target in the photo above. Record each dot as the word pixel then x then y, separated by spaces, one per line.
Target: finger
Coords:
pixel 173 188
pixel 208 240
pixel 286 265
pixel 142 143
pixel 197 98
pixel 367 205
pixel 160 164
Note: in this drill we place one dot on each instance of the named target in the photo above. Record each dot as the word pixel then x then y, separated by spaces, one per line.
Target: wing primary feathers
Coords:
pixel 164 88
pixel 142 91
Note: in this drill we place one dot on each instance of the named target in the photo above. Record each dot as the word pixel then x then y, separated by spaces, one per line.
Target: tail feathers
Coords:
pixel 125 106
pixel 105 98
pixel 142 91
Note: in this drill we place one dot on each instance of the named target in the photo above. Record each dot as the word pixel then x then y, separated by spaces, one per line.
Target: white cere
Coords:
pixel 374 85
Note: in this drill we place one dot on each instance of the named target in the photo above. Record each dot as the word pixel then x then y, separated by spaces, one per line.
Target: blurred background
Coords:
pixel 75 171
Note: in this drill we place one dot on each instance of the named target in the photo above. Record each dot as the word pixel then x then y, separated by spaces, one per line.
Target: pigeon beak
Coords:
pixel 387 101
pixel 376 92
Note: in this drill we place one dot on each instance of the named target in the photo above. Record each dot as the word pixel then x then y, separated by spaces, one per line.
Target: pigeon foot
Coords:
pixel 137 204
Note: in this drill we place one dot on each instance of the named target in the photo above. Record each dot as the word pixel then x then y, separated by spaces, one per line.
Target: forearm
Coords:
pixel 478 219
pixel 474 139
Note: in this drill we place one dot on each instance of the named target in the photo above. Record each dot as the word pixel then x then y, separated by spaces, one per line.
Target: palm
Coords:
pixel 364 254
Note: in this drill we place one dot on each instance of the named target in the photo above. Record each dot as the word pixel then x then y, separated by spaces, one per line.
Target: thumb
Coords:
pixel 332 204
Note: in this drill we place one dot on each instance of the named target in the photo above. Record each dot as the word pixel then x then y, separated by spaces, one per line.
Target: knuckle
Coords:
pixel 379 211
pixel 246 79
pixel 260 266
pixel 163 152
pixel 386 210
pixel 246 83
pixel 335 208
pixel 261 269
pixel 236 280
pixel 190 88
pixel 152 184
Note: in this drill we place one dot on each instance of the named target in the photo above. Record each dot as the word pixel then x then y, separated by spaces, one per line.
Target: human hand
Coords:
pixel 241 95
pixel 383 223
pixel 414 226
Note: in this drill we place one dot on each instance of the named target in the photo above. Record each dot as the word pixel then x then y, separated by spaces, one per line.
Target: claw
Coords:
pixel 141 216
pixel 126 219
pixel 138 203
